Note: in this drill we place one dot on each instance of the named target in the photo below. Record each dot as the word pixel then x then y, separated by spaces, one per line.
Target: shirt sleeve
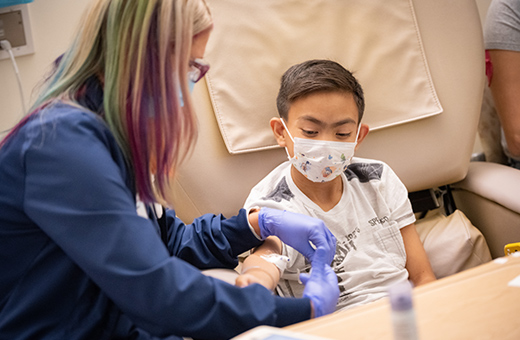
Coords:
pixel 75 191
pixel 396 197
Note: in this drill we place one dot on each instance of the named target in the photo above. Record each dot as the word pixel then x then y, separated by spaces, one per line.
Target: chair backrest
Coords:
pixel 423 78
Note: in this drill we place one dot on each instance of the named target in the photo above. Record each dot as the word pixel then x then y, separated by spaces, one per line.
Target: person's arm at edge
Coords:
pixel 504 87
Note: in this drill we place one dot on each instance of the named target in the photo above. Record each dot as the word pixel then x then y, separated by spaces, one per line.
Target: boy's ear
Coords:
pixel 278 130
pixel 363 132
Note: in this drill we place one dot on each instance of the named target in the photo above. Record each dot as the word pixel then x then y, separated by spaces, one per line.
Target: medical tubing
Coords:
pixel 6 45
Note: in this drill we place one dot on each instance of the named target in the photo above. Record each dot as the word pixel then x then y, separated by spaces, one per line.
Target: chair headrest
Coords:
pixel 381 45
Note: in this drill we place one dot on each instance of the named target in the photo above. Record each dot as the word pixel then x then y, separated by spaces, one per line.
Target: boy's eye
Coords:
pixel 344 135
pixel 309 132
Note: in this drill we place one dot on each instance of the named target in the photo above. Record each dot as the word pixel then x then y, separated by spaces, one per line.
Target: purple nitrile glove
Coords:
pixel 321 286
pixel 298 231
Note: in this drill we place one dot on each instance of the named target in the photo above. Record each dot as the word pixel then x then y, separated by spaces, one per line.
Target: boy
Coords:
pixel 365 205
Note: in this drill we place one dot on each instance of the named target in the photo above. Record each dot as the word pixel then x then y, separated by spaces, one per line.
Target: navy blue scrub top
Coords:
pixel 78 262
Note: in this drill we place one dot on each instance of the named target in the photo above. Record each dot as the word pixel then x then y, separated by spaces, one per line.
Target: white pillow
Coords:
pixel 452 243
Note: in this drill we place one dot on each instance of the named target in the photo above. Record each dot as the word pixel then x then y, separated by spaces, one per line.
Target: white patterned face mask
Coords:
pixel 320 160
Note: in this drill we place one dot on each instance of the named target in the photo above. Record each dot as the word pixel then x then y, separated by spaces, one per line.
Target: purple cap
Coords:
pixel 400 295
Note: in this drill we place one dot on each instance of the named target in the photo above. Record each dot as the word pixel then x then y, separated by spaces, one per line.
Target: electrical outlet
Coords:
pixel 15 27
pixel 11 28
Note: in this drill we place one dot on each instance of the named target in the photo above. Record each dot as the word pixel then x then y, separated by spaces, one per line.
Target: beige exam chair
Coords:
pixel 421 64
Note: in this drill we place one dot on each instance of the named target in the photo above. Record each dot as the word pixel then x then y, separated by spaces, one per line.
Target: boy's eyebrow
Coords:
pixel 344 121
pixel 335 124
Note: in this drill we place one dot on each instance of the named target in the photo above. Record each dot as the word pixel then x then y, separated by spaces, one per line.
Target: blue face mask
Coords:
pixel 191 86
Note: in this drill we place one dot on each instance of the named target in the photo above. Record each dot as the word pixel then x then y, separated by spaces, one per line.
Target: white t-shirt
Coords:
pixel 366 222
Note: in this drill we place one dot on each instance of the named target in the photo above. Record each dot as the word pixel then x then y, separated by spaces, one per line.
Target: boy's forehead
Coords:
pixel 336 108
pixel 328 120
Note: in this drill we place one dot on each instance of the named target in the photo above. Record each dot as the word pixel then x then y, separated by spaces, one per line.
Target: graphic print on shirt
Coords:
pixel 344 246
pixel 376 220
pixel 364 172
pixel 281 192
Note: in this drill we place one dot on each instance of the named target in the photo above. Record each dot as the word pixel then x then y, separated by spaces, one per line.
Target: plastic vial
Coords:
pixel 403 315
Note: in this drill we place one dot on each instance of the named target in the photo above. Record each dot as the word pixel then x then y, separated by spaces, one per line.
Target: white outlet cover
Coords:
pixel 28 48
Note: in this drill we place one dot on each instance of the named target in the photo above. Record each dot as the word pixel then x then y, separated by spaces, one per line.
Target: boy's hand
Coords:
pixel 321 286
pixel 297 231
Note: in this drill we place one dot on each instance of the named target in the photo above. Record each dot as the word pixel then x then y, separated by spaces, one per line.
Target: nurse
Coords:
pixel 82 255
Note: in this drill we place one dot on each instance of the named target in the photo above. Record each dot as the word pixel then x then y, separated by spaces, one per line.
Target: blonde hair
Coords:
pixel 140 50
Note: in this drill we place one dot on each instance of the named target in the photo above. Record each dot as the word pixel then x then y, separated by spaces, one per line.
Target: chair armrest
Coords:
pixel 489 198
pixel 496 182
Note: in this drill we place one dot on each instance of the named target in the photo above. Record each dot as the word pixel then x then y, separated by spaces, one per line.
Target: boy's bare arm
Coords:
pixel 257 270
pixel 417 263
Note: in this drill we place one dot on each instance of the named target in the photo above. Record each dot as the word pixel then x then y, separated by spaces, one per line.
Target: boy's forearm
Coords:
pixel 417 262
pixel 423 277
pixel 264 272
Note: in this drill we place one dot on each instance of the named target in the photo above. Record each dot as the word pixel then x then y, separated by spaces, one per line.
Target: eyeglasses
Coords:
pixel 198 69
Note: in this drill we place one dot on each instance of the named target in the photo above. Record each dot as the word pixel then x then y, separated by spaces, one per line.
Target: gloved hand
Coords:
pixel 297 230
pixel 321 286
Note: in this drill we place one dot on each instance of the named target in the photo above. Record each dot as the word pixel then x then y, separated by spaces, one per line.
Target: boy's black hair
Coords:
pixel 317 75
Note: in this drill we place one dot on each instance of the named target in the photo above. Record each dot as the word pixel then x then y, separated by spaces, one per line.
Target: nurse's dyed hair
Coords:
pixel 140 49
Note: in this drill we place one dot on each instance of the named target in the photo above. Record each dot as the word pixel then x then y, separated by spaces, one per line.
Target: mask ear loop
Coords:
pixel 290 136
pixel 357 134
pixel 355 142
pixel 286 129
